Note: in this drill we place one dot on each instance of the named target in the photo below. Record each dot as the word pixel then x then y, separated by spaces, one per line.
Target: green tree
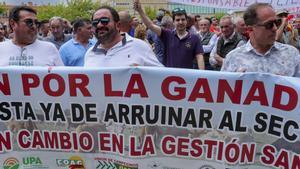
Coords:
pixel 150 12
pixel 46 12
pixel 80 9
pixel 72 10
pixel 2 9
pixel 219 15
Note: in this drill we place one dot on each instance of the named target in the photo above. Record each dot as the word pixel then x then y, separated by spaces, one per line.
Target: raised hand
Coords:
pixel 137 5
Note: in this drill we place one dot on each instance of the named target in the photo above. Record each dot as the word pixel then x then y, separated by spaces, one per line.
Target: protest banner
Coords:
pixel 240 4
pixel 147 118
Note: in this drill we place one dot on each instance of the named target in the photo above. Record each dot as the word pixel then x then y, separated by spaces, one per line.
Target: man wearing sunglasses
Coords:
pixel 25 49
pixel 114 48
pixel 181 47
pixel 262 53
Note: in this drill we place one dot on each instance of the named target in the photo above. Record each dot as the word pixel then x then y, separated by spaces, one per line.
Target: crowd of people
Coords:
pixel 263 40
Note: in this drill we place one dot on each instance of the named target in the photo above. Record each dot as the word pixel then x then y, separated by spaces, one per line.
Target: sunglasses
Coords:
pixel 103 20
pixel 270 24
pixel 178 10
pixel 30 22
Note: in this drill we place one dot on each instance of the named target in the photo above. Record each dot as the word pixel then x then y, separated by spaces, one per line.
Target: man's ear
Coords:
pixel 12 24
pixel 118 25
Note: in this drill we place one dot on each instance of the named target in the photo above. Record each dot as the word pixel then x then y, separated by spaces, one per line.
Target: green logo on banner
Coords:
pixel 11 163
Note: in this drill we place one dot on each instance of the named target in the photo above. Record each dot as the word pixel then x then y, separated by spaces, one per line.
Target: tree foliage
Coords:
pixel 219 15
pixel 72 10
pixel 2 9
pixel 150 12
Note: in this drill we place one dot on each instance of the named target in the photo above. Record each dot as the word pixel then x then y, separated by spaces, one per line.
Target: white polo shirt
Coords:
pixel 130 51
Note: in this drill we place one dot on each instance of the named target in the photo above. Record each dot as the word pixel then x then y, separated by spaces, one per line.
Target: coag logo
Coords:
pixel 11 163
pixel 74 160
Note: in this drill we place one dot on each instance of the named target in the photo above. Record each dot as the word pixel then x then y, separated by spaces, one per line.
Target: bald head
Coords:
pixel 125 21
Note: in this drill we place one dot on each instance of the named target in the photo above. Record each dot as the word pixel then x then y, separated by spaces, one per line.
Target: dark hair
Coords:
pixel 15 11
pixel 79 23
pixel 179 12
pixel 209 19
pixel 113 12
pixel 250 15
pixel 43 22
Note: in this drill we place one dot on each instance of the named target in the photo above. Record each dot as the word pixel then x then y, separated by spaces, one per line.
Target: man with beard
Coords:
pixel 181 47
pixel 114 49
pixel 25 49
pixel 262 53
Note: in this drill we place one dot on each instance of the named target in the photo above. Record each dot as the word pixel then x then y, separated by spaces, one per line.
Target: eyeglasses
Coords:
pixel 30 22
pixel 178 11
pixel 103 20
pixel 270 24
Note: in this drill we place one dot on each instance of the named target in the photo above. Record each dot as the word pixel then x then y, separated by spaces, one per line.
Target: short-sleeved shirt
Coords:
pixel 180 53
pixel 72 52
pixel 152 37
pixel 39 53
pixel 281 59
pixel 130 51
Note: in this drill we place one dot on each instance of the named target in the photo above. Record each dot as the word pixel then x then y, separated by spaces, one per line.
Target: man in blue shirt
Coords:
pixel 73 51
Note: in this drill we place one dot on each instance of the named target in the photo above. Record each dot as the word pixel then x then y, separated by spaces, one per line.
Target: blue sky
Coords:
pixel 39 2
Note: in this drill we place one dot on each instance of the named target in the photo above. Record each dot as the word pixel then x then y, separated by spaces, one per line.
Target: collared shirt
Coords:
pixel 180 53
pixel 39 53
pixel 58 44
pixel 72 52
pixel 281 59
pixel 130 51
pixel 211 44
pixel 212 59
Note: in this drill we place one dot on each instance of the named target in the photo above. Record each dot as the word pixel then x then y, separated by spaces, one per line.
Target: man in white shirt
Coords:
pixel 25 49
pixel 114 49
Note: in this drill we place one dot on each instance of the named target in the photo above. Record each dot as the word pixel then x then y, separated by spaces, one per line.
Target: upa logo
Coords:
pixel 11 163
pixel 72 161
pixel 32 162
